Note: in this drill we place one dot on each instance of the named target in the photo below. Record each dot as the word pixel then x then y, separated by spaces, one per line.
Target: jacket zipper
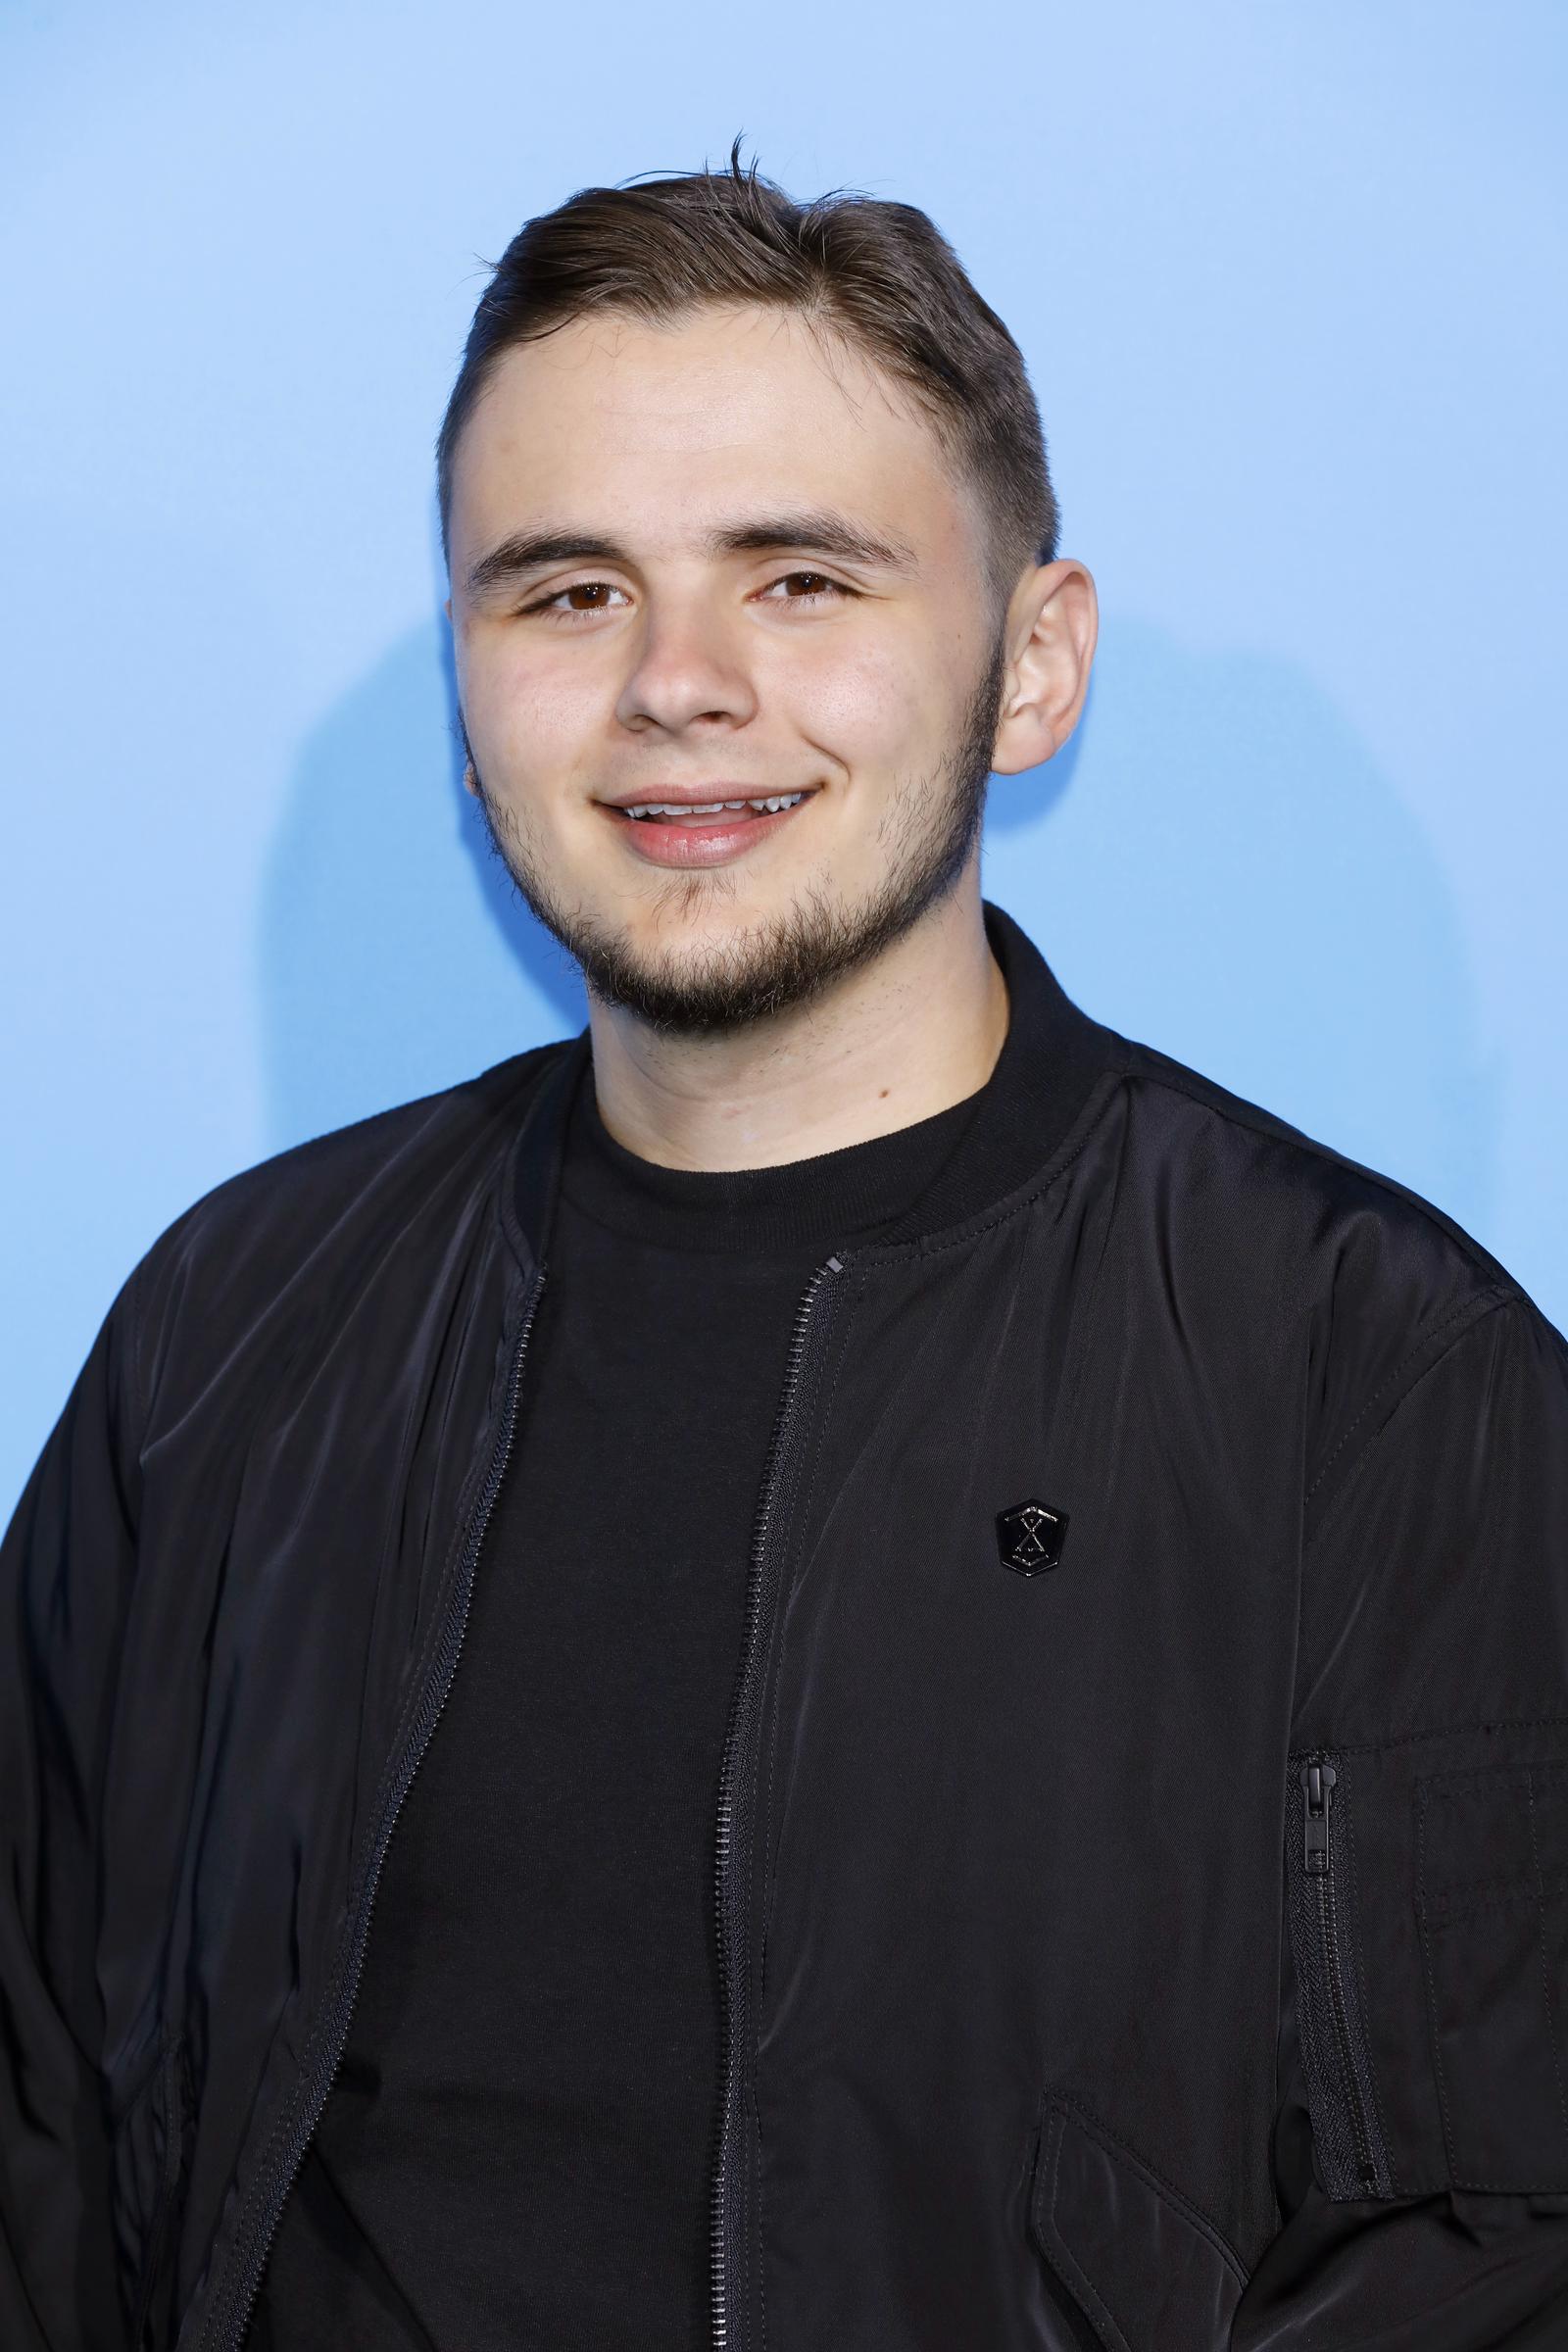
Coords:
pixel 229 2318
pixel 736 1829
pixel 1319 1779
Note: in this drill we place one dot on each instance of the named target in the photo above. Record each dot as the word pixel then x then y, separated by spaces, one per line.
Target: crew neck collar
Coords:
pixel 858 1189
pixel 981 1149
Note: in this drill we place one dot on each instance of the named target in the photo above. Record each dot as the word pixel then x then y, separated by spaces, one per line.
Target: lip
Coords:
pixel 691 796
pixel 704 841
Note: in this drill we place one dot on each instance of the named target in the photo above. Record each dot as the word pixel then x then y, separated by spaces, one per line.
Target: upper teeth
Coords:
pixel 774 801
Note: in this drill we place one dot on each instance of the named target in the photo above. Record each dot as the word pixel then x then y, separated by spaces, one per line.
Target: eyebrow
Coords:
pixel 816 531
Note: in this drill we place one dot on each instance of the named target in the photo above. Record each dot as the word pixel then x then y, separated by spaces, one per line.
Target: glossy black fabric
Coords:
pixel 1051 2034
pixel 518 2145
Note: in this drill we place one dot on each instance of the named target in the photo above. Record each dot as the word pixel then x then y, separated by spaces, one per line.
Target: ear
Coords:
pixel 1051 628
pixel 470 777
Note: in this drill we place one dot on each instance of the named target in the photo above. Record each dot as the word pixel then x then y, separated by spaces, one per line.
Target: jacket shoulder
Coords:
pixel 432 1131
pixel 1292 1170
pixel 286 1223
pixel 1377 1281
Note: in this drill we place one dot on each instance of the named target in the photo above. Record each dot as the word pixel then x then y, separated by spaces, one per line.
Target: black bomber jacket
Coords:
pixel 1143 1841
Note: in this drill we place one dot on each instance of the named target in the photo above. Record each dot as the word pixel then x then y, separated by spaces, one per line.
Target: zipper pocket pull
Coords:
pixel 1317 1785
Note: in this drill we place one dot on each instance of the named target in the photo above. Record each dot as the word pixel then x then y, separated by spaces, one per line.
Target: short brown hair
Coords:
pixel 881 274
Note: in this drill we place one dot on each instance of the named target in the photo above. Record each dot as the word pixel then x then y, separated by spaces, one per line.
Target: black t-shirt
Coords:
pixel 518 2146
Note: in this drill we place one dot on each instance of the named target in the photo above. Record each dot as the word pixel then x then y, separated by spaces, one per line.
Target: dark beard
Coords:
pixel 929 829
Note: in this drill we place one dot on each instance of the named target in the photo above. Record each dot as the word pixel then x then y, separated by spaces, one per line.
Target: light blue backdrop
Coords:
pixel 1290 282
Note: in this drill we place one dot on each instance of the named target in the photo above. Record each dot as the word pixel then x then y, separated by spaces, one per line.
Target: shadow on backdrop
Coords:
pixel 395 953
pixel 1218 866
pixel 1215 865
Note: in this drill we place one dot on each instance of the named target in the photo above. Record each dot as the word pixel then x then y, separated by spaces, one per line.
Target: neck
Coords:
pixel 917 1030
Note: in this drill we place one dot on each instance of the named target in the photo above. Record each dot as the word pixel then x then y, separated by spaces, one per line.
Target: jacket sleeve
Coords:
pixel 1421 2147
pixel 65 1567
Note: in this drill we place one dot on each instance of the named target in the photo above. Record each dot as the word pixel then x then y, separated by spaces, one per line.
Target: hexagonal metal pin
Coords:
pixel 1030 1537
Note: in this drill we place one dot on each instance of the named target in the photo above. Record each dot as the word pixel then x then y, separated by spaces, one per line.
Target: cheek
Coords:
pixel 866 705
pixel 528 711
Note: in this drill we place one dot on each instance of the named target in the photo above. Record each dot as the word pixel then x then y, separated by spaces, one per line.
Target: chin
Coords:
pixel 698 910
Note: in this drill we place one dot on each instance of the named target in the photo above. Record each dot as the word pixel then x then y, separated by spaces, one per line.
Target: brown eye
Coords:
pixel 805 588
pixel 580 597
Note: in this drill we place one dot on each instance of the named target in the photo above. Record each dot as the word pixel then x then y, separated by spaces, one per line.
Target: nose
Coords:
pixel 688 670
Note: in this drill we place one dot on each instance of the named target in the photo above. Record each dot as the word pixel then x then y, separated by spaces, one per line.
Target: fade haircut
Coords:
pixel 880 276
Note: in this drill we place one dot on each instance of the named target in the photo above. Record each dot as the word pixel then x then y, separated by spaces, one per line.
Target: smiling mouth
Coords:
pixel 689 813
pixel 687 835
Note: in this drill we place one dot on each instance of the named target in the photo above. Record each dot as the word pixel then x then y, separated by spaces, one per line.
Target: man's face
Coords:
pixel 708 563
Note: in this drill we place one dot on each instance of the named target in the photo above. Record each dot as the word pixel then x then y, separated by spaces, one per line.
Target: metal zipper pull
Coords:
pixel 1317 1785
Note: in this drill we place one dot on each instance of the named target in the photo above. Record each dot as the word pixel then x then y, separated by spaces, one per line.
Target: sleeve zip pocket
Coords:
pixel 1347 2134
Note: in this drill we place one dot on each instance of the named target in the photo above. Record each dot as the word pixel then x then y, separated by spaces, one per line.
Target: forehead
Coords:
pixel 617 422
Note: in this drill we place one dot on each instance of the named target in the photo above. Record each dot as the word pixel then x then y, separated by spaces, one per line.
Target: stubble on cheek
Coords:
pixel 601 899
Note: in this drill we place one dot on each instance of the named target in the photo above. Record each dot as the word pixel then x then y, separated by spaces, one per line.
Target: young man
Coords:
pixel 848 1664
